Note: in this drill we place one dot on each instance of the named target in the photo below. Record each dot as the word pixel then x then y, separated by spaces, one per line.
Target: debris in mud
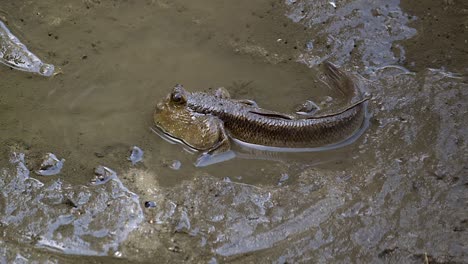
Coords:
pixel 213 261
pixel 283 179
pixel 95 221
pixel 136 155
pixel 307 108
pixel 227 179
pixel 15 54
pixel 349 32
pixel 184 223
pixel 99 154
pixel 175 165
pixel 175 249
pixel 103 175
pixel 150 204
pixel 50 165
pixel 172 164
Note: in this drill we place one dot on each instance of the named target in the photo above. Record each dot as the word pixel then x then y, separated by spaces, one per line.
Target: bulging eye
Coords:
pixel 178 95
pixel 178 98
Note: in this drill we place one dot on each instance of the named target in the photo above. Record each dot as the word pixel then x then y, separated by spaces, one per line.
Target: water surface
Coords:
pixel 396 195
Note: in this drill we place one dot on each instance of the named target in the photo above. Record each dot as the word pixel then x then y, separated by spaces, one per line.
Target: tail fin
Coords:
pixel 342 81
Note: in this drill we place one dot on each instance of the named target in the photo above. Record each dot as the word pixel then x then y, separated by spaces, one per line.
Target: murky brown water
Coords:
pixel 397 195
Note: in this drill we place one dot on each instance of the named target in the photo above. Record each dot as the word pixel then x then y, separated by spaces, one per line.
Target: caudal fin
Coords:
pixel 342 81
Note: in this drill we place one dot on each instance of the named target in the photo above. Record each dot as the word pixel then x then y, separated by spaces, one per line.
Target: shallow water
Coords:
pixel 396 195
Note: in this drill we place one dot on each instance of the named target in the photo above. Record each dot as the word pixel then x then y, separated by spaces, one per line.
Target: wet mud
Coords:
pixel 396 195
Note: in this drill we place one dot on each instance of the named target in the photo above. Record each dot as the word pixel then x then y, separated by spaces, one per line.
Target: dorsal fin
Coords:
pixel 341 111
pixel 271 114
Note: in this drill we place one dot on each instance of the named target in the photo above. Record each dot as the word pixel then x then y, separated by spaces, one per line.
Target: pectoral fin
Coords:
pixel 223 144
pixel 219 151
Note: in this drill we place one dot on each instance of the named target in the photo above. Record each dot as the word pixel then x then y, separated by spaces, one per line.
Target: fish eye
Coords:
pixel 177 98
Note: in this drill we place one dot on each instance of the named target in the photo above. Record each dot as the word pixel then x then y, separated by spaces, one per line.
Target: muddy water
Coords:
pixel 396 195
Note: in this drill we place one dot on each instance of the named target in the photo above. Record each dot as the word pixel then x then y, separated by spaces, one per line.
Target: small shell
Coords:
pixel 136 155
pixel 175 165
pixel 50 165
pixel 103 175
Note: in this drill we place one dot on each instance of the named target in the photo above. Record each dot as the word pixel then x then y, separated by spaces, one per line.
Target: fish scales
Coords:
pixel 250 127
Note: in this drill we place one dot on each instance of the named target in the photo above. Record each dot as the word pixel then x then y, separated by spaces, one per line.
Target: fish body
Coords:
pixel 263 127
pixel 204 121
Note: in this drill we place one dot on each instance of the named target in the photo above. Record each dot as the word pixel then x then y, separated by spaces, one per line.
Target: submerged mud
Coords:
pixel 88 220
pixel 396 195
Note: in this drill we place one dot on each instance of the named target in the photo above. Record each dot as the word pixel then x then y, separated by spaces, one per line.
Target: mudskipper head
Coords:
pixel 175 119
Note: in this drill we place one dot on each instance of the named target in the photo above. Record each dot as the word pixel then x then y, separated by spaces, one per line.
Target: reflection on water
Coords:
pixel 397 194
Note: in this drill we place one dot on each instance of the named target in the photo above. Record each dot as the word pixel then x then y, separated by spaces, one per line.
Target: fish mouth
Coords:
pixel 159 107
pixel 173 140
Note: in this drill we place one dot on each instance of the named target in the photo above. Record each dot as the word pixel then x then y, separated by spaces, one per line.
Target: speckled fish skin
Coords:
pixel 263 127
